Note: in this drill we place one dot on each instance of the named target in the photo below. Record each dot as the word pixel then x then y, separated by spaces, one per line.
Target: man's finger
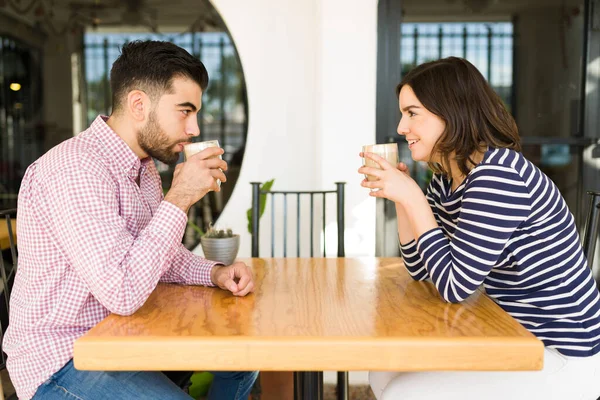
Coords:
pixel 249 288
pixel 207 153
pixel 245 279
pixel 218 174
pixel 230 285
pixel 216 163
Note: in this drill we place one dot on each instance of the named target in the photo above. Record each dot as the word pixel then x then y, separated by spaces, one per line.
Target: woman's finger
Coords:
pixel 379 160
pixel 371 184
pixel 377 193
pixel 376 172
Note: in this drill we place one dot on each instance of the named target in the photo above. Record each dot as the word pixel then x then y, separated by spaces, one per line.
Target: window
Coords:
pixel 489 46
pixel 21 113
pixel 224 105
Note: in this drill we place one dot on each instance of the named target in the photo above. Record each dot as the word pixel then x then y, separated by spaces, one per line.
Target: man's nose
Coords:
pixel 192 127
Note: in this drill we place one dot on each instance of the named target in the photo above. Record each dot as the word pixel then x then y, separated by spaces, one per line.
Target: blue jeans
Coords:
pixel 72 384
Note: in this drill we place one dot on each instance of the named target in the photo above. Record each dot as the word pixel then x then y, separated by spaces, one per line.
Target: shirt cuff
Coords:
pixel 200 270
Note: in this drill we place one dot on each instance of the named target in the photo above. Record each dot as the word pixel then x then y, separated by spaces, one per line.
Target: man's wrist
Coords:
pixel 178 201
pixel 213 273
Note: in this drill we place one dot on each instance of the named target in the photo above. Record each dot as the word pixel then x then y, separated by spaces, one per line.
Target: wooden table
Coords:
pixel 4 236
pixel 312 315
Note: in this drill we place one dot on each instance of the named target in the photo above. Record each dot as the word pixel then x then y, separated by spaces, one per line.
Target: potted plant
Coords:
pixel 220 245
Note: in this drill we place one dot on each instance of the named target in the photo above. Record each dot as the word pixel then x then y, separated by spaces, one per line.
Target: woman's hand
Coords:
pixel 394 183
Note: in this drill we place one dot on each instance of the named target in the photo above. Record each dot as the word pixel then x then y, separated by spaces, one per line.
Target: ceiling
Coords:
pixel 149 15
pixel 200 15
pixel 478 9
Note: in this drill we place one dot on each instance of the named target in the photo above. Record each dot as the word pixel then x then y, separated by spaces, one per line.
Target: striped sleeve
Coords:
pixel 412 261
pixel 495 202
pixel 408 251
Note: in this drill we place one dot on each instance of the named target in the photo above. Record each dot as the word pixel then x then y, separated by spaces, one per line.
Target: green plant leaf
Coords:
pixel 196 228
pixel 262 203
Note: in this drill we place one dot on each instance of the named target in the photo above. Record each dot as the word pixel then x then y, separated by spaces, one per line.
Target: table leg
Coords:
pixel 312 385
pixel 298 386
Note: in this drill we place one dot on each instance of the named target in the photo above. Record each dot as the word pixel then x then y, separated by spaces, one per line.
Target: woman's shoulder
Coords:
pixel 503 157
pixel 508 160
pixel 503 165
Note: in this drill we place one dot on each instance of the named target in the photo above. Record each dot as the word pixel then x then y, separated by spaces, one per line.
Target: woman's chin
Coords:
pixel 416 157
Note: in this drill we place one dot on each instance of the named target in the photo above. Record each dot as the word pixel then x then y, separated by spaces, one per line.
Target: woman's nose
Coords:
pixel 402 129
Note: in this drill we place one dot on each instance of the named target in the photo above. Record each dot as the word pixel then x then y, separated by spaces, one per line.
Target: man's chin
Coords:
pixel 169 160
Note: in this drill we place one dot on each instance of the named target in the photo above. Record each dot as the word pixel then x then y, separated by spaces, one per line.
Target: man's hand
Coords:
pixel 196 177
pixel 237 278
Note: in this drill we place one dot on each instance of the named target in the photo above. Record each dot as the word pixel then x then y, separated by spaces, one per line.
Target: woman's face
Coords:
pixel 419 126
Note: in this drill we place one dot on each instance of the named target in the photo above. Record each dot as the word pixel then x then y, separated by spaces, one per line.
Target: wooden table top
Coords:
pixel 4 242
pixel 312 314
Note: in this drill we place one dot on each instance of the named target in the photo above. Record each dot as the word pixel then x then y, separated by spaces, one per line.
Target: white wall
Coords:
pixel 310 70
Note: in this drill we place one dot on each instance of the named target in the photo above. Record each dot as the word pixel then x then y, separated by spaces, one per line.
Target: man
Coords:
pixel 96 234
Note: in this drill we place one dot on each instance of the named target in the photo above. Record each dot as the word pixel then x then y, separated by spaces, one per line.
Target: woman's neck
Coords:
pixel 457 176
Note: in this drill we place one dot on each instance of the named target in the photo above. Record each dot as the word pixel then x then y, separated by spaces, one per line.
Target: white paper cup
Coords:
pixel 193 148
pixel 388 151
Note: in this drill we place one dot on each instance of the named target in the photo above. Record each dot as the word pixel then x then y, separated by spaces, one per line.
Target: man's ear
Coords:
pixel 138 105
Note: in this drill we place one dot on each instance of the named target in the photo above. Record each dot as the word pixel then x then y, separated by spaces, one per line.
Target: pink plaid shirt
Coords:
pixel 91 242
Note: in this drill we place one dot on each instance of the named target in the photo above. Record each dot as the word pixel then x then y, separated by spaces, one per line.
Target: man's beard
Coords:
pixel 155 142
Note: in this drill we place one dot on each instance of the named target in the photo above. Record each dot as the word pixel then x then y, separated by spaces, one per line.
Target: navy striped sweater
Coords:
pixel 508 227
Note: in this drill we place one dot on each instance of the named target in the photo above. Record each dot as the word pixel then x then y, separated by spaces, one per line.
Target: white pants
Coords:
pixel 562 378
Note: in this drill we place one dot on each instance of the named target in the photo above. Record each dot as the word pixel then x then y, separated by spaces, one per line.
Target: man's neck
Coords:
pixel 127 132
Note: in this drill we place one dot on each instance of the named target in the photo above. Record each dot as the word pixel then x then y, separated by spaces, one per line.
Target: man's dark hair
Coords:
pixel 151 66
pixel 475 116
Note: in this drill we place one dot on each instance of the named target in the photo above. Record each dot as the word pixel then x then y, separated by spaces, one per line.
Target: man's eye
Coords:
pixel 185 112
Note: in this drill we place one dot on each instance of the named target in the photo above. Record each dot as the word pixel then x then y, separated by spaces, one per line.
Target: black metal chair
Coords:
pixel 592 227
pixel 8 269
pixel 299 382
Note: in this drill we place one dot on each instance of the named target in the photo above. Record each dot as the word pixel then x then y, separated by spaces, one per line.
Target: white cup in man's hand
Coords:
pixel 193 148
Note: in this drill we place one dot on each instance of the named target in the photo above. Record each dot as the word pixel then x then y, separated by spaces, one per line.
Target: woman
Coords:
pixel 489 217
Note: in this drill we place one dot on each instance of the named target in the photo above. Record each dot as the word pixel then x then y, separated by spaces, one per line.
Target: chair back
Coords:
pixel 8 269
pixel 313 196
pixel 592 227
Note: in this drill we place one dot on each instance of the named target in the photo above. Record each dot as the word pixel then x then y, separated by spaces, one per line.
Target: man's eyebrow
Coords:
pixel 188 104
pixel 409 107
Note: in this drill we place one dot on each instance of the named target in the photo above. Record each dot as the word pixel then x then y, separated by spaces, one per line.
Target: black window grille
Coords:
pixel 224 112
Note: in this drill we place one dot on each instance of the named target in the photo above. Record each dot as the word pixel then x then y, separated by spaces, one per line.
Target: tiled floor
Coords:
pixel 356 392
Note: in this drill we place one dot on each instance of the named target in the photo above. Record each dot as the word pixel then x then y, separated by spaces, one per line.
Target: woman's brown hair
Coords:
pixel 454 90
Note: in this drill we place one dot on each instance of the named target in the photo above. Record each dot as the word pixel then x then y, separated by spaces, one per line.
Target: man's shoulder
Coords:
pixel 81 154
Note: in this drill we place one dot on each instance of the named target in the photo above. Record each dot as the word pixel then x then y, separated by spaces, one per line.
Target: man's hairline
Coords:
pixel 156 99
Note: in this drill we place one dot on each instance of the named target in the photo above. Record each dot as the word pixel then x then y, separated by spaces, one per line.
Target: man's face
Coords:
pixel 172 122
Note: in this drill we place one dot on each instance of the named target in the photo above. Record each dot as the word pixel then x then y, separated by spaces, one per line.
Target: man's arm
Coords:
pixel 119 269
pixel 189 269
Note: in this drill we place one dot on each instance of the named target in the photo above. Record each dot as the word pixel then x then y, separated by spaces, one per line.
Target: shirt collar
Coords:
pixel 125 158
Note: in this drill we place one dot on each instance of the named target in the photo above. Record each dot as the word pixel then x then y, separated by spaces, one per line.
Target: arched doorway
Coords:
pixel 224 114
